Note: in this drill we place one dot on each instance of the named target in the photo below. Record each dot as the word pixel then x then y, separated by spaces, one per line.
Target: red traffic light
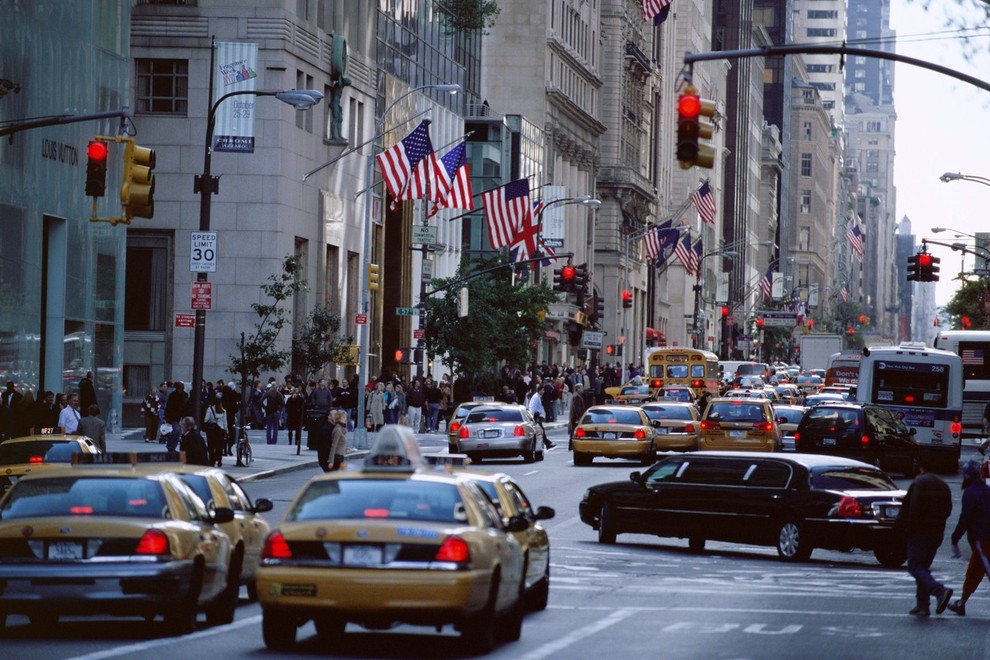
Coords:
pixel 862 318
pixel 725 312
pixel 567 273
pixel 759 322
pixel 626 295
pixel 924 259
pixel 689 105
pixel 811 323
pixel 851 331
pixel 96 150
pixel 610 349
pixel 966 322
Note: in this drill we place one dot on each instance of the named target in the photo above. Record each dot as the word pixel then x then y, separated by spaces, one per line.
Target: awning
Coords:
pixel 652 334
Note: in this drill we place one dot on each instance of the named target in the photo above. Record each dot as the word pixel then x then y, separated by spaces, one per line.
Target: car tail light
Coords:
pixel 797 438
pixel 36 459
pixel 656 383
pixel 463 433
pixel 453 549
pixel 455 426
pixel 689 428
pixel 709 426
pixel 849 507
pixel 276 547
pixel 153 542
pixel 579 433
pixel 865 440
pixel 955 428
pixel 697 382
pixel 763 426
pixel 519 432
pixel 640 434
pixel 81 510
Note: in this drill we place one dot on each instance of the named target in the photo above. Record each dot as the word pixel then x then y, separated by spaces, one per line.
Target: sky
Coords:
pixel 943 125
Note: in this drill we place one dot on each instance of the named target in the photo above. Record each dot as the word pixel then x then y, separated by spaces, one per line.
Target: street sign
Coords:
pixel 592 339
pixel 202 295
pixel 424 235
pixel 185 320
pixel 407 311
pixel 203 252
pixel 427 270
pixel 419 333
pixel 777 319
pixel 360 319
pixel 553 242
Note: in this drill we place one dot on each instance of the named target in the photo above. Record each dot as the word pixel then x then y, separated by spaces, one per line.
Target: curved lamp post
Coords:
pixel 360 431
pixel 207 186
pixel 721 252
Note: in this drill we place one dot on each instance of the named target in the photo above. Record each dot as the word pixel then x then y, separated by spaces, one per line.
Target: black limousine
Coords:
pixel 796 502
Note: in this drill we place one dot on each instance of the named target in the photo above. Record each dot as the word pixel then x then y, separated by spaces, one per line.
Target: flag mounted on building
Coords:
pixel 506 209
pixel 766 284
pixel 653 239
pixel 704 201
pixel 527 241
pixel 855 237
pixel 409 167
pixel 456 178
pixel 844 293
pixel 689 255
pixel 651 8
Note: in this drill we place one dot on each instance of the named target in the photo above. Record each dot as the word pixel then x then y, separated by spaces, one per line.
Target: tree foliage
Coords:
pixel 260 352
pixel 968 300
pixel 461 15
pixel 502 326
pixel 317 342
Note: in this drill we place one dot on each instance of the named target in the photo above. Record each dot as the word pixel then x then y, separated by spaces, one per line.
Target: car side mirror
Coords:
pixel 221 515
pixel 262 504
pixel 517 524
pixel 636 476
pixel 545 513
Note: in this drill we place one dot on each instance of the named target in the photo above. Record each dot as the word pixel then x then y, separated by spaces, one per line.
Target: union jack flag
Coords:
pixel 855 237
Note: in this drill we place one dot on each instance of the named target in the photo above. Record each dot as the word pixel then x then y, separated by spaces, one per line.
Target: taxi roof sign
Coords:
pixel 129 458
pixel 395 450
pixel 447 460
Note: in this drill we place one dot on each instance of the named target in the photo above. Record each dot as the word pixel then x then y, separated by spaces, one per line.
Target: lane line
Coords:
pixel 555 647
pixel 750 610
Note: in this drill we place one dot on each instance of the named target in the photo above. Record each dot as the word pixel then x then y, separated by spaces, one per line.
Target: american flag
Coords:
pixel 766 284
pixel 409 167
pixel 653 7
pixel 844 293
pixel 654 239
pixel 704 201
pixel 855 237
pixel 972 356
pixel 507 208
pixel 457 177
pixel 689 256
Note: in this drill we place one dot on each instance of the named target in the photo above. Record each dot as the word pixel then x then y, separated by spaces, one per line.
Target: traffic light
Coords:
pixel 597 309
pixel 610 350
pixel 403 356
pixel 928 267
pixel 374 277
pixel 725 312
pixel 575 333
pixel 626 298
pixel 690 109
pixel 580 282
pixel 759 322
pixel 96 168
pixel 137 189
pixel 912 268
pixel 417 355
pixel 850 331
pixel 563 278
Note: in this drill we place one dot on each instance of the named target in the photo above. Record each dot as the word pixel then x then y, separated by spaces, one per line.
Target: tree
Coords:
pixel 259 354
pixel 318 341
pixel 503 324
pixel 969 300
pixel 461 15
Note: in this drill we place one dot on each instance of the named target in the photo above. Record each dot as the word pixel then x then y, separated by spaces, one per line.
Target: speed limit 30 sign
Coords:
pixel 203 252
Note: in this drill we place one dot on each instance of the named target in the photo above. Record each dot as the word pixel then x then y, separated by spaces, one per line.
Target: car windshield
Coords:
pixel 199 485
pixel 612 416
pixel 736 411
pixel 388 499
pixel 37 451
pixel 789 416
pixel 667 412
pixel 635 389
pixel 850 478
pixel 84 496
pixel 494 415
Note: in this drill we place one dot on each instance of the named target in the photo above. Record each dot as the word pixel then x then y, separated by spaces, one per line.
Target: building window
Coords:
pixel 805 201
pixel 821 32
pixel 805 164
pixel 873 126
pixel 804 239
pixel 823 13
pixel 162 86
pixel 821 68
pixel 807 131
pixel 148 288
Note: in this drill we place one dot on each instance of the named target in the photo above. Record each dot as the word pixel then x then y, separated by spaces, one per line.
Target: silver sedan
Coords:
pixel 500 431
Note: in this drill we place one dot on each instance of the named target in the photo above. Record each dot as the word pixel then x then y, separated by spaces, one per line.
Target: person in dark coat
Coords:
pixel 174 406
pixel 922 523
pixel 974 522
pixel 192 442
pixel 87 393
pixel 295 414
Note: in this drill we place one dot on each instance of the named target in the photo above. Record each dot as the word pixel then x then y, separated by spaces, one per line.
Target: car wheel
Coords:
pixel 790 544
pixel 539 595
pixel 529 456
pixel 221 611
pixel 474 458
pixel 510 624
pixel 252 589
pixel 696 544
pixel 606 525
pixel 890 555
pixel 329 627
pixel 649 458
pixel 278 630
pixel 478 631
pixel 180 618
pixel 581 459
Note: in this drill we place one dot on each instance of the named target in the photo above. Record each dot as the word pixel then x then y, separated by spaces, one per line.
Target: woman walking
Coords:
pixel 376 407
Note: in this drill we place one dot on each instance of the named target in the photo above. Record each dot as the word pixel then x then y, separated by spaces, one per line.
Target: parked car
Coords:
pixel 788 418
pixel 794 502
pixel 739 424
pixel 614 431
pixel 862 431
pixel 500 431
pixel 676 425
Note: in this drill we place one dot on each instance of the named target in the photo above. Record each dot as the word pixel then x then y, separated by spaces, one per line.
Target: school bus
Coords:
pixel 682 367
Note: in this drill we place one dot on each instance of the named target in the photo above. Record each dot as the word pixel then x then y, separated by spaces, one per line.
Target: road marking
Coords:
pixel 555 647
pixel 168 641
pixel 530 473
pixel 754 610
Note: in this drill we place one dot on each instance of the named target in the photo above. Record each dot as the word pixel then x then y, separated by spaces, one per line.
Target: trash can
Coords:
pixel 314 420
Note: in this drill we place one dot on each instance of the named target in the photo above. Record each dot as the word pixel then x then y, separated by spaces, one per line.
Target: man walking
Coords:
pixel 94 428
pixel 974 522
pixel 274 404
pixel 926 506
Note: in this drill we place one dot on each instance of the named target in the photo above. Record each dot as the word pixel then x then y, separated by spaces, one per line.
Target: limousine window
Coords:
pixel 769 474
pixel 836 478
pixel 715 473
pixel 666 471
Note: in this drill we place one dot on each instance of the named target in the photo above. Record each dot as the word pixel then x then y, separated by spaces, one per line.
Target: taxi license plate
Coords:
pixel 737 434
pixel 828 442
pixel 65 550
pixel 362 555
pixel 491 433
pixel 889 511
pixel 610 435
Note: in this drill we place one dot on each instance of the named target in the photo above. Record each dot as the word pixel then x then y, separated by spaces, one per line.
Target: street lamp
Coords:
pixel 721 252
pixel 207 186
pixel 360 431
pixel 956 176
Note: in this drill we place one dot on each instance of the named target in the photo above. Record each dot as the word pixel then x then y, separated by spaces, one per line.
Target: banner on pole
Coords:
pixel 237 71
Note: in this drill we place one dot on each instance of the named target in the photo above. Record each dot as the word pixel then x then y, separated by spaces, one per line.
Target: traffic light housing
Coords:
pixel 403 356
pixel 137 189
pixel 597 309
pixel 690 128
pixel 563 278
pixel 725 312
pixel 627 298
pixel 928 267
pixel 96 168
pixel 759 322
pixel 912 268
pixel 374 277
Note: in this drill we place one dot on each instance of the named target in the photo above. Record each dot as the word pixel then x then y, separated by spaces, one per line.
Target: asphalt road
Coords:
pixel 644 597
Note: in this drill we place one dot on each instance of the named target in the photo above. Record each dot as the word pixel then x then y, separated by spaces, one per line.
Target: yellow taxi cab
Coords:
pixel 614 431
pixel 35 453
pixel 739 424
pixel 396 542
pixel 511 503
pixel 248 529
pixel 113 540
pixel 612 393
pixel 676 424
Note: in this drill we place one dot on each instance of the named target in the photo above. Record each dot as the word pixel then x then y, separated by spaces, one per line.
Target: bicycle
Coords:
pixel 244 455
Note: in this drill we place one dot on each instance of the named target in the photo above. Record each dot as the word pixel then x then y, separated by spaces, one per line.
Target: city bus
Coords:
pixel 843 368
pixel 923 387
pixel 973 346
pixel 682 367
